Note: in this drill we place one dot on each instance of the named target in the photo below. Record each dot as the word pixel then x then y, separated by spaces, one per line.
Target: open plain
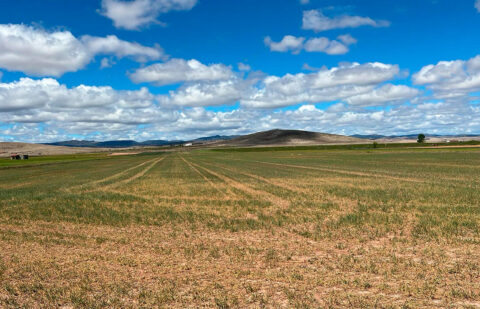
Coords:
pixel 229 228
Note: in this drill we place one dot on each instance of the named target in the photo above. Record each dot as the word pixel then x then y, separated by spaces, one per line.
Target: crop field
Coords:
pixel 388 228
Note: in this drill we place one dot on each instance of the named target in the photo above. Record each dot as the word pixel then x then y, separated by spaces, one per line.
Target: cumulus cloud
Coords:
pixel 104 113
pixel 135 14
pixel 357 84
pixel 112 45
pixel 194 122
pixel 48 93
pixel 347 39
pixel 106 63
pixel 388 93
pixel 315 20
pixel 45 110
pixel 206 94
pixel 38 52
pixel 321 44
pixel 180 70
pixel 288 43
pixel 244 67
pixel 449 79
pixel 325 85
pixel 330 47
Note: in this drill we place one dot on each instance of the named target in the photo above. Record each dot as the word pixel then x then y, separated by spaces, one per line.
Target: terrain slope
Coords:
pixel 289 138
pixel 7 148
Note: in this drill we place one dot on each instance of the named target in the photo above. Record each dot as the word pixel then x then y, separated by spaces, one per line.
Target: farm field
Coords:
pixel 392 228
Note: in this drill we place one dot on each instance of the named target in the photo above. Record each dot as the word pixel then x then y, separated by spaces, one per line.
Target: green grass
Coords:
pixel 379 146
pixel 36 160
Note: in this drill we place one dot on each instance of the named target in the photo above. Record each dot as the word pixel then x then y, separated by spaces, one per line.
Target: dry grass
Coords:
pixel 300 229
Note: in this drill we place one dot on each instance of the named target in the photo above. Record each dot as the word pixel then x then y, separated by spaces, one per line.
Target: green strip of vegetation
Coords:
pixel 345 147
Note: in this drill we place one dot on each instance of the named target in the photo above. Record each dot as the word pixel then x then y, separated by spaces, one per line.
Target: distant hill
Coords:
pixel 279 137
pixel 113 144
pixel 411 136
pixel 7 148
pixel 130 143
pixel 214 138
pixel 275 137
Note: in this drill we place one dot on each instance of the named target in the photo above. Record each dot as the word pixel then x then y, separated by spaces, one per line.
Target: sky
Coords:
pixel 181 69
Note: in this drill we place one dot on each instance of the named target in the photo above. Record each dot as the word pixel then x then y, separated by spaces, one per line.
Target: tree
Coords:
pixel 421 138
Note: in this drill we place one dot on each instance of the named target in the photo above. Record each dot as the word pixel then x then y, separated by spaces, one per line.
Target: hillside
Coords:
pixel 6 148
pixel 288 138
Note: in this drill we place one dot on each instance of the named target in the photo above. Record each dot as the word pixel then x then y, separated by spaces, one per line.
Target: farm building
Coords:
pixel 15 156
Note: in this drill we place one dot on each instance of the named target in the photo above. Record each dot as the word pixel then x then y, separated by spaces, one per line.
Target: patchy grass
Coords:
pixel 292 228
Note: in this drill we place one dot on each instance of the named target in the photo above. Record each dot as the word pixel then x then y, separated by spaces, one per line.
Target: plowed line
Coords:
pixel 157 199
pixel 275 200
pixel 117 175
pixel 134 177
pixel 338 171
pixel 278 183
pixel 208 180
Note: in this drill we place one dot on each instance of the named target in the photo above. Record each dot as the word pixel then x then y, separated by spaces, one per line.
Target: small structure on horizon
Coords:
pixel 16 156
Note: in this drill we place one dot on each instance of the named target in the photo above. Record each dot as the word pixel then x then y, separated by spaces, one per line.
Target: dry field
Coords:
pixel 227 229
pixel 6 148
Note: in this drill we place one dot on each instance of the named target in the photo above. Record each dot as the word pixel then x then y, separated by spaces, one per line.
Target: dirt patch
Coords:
pixel 453 146
pixel 114 154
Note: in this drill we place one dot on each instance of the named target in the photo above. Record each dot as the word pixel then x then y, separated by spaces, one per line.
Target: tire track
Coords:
pixel 114 176
pixel 344 201
pixel 134 177
pixel 338 171
pixel 227 196
pixel 275 200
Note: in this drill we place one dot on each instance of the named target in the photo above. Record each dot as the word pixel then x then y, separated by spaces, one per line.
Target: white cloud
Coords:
pixel 325 85
pixel 347 39
pixel 388 93
pixel 37 52
pixel 135 14
pixel 322 44
pixel 103 113
pixel 244 67
pixel 207 94
pixel 288 43
pixel 42 110
pixel 317 21
pixel 346 82
pixel 450 79
pixel 477 5
pixel 330 47
pixel 304 2
pixel 112 45
pixel 194 122
pixel 48 93
pixel 106 63
pixel 179 70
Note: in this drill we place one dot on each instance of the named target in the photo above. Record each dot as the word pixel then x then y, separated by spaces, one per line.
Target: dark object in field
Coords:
pixel 15 156
pixel 421 138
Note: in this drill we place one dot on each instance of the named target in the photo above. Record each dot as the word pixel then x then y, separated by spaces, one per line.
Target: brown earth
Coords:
pixel 288 138
pixel 7 148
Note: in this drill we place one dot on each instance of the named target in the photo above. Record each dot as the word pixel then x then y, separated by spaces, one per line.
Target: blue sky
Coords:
pixel 178 69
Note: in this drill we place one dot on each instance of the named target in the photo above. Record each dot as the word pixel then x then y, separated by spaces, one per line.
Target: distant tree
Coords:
pixel 421 138
pixel 375 144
